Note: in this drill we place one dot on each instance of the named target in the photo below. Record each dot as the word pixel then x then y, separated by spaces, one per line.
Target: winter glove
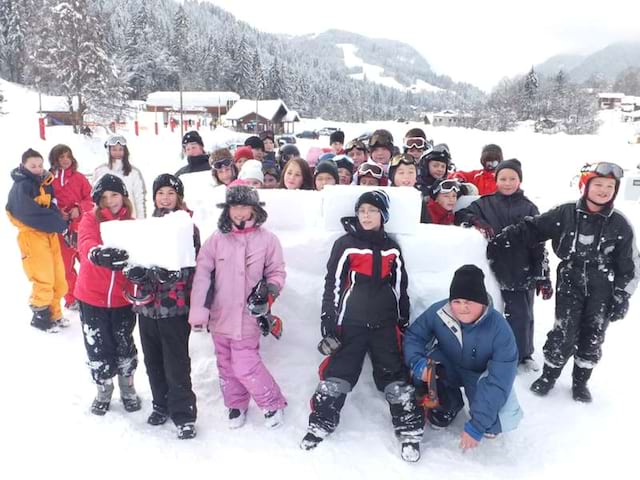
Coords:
pixel 136 273
pixel 544 288
pixel 328 325
pixel 162 275
pixel 618 306
pixel 403 324
pixel 112 258
pixel 484 228
pixel 70 238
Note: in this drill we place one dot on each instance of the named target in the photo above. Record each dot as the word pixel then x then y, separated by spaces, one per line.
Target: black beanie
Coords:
pixel 327 166
pixel 168 180
pixel 255 143
pixel 491 152
pixel 108 183
pixel 192 137
pixel 337 136
pixel 378 199
pixel 468 284
pixel 512 164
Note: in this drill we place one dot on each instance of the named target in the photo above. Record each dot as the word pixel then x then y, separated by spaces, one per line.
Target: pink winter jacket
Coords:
pixel 240 259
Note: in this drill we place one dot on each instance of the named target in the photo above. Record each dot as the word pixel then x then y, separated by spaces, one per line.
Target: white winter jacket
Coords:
pixel 134 183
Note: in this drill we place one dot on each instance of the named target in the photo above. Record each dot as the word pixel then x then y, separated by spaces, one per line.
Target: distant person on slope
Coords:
pixel 484 179
pixel 197 159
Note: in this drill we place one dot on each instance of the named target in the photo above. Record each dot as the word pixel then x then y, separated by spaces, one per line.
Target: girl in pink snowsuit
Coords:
pixel 230 264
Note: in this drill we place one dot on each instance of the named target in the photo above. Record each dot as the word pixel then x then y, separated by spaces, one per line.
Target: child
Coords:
pixel 598 272
pixel 464 342
pixel 371 174
pixel 381 148
pixel 286 153
pixel 257 147
pixel 223 169
pixel 251 172
pixel 434 165
pixel 269 143
pixel 119 165
pixel 439 207
pixel 326 173
pixel 525 271
pixel 484 178
pixel 241 155
pixel 271 177
pixel 296 175
pixel 73 195
pixel 162 303
pixel 357 151
pixel 31 208
pixel 403 171
pixel 365 303
pixel 345 169
pixel 197 158
pixel 107 318
pixel 336 142
pixel 416 143
pixel 230 264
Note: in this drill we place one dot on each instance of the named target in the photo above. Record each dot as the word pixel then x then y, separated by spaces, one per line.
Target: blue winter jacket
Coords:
pixel 488 345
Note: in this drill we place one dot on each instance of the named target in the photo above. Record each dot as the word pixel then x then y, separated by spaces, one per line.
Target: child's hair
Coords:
pixel 125 202
pixel 126 165
pixel 30 153
pixel 307 176
pixel 55 154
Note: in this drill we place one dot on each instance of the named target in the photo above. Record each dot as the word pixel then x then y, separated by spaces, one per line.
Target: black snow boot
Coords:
pixel 159 415
pixel 101 403
pixel 579 387
pixel 326 403
pixel 310 441
pixel 42 320
pixel 547 380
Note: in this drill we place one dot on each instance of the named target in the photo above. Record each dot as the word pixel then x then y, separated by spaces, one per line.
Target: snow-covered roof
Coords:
pixel 191 100
pixel 53 103
pixel 446 113
pixel 611 95
pixel 291 116
pixel 266 109
pixel 631 100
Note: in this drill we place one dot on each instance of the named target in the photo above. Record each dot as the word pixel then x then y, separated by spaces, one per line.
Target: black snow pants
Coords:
pixel 340 372
pixel 518 310
pixel 583 296
pixel 108 339
pixel 165 344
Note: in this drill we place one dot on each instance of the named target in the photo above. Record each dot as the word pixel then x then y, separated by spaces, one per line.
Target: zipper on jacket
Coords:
pixel 584 267
pixel 113 278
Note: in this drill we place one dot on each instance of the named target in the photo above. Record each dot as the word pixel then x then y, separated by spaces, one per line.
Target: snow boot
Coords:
pixel 273 418
pixel 410 451
pixel 42 320
pixel 439 419
pixel 237 418
pixel 62 322
pixel 101 403
pixel 128 395
pixel 579 388
pixel 158 416
pixel 310 441
pixel 186 431
pixel 73 306
pixel 546 382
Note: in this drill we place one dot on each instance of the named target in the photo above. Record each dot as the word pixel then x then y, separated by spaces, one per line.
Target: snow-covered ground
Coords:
pixel 49 431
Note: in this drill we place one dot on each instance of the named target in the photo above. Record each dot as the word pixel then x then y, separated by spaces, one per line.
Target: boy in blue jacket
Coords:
pixel 466 343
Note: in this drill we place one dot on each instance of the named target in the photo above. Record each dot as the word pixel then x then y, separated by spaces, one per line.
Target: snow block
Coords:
pixel 165 242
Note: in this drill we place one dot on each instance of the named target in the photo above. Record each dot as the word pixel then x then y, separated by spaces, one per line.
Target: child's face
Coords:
pixel 270 181
pixel 447 200
pixel 258 154
pixel 507 181
pixel 240 213
pixel 381 155
pixel 369 181
pixel 601 190
pixel 437 169
pixel 466 311
pixel 323 179
pixel 337 147
pixel 344 176
pixel 255 183
pixel 268 145
pixel 369 217
pixel 240 162
pixel 415 152
pixel 225 175
pixel 116 152
pixel 65 160
pixel 193 149
pixel 166 197
pixel 293 177
pixel 358 157
pixel 405 176
pixel 112 200
pixel 35 165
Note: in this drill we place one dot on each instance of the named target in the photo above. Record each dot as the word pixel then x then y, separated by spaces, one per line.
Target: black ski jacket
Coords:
pixel 199 163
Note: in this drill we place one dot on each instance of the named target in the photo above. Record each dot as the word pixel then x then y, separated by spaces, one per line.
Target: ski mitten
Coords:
pixel 619 305
pixel 112 258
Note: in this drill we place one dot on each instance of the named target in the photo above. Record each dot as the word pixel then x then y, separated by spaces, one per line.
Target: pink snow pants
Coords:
pixel 244 376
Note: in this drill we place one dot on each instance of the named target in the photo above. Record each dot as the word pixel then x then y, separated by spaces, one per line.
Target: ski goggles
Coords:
pixel 605 169
pixel 415 142
pixel 115 140
pixel 446 186
pixel 380 140
pixel 404 158
pixel 370 169
pixel 355 144
pixel 220 164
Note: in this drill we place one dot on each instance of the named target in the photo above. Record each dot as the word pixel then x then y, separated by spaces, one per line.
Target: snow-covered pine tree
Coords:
pixel 530 98
pixel 180 47
pixel 14 16
pixel 243 76
pixel 276 83
pixel 258 75
pixel 628 81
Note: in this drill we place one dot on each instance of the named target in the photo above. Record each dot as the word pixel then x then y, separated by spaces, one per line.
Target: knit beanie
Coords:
pixel 337 136
pixel 378 199
pixel 192 137
pixel 254 142
pixel 490 153
pixel 168 180
pixel 468 284
pixel 251 170
pixel 243 152
pixel 108 183
pixel 512 164
pixel 327 166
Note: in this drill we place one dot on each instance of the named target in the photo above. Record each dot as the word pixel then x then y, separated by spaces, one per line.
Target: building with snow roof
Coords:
pixel 260 115
pixel 609 101
pixel 209 104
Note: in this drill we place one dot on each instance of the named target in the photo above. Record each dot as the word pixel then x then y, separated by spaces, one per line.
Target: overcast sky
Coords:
pixel 474 41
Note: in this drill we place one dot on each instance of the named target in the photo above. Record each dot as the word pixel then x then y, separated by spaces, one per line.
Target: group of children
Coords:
pixel 459 342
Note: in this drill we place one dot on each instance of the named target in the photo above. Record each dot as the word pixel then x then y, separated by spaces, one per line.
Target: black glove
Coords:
pixel 136 274
pixel 112 258
pixel 403 324
pixel 618 306
pixel 544 287
pixel 70 238
pixel 162 275
pixel 328 325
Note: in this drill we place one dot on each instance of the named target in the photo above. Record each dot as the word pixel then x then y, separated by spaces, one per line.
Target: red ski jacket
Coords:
pixel 485 180
pixel 72 189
